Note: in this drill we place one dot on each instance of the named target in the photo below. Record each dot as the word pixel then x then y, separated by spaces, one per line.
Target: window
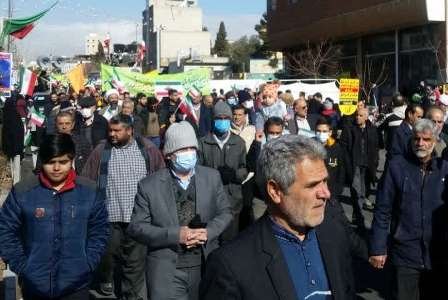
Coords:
pixel 272 4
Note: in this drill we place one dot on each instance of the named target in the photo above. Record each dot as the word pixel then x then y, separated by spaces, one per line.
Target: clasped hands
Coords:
pixel 192 237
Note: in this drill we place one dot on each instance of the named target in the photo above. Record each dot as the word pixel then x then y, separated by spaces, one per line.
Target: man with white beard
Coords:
pixel 409 224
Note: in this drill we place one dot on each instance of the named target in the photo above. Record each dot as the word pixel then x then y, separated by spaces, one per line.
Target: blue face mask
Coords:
pixel 184 162
pixel 222 126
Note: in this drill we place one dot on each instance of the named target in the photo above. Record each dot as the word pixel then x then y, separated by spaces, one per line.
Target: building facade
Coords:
pixel 91 44
pixel 407 37
pixel 172 28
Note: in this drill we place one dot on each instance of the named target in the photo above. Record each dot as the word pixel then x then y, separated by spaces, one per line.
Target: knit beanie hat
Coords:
pixel 179 136
pixel 222 109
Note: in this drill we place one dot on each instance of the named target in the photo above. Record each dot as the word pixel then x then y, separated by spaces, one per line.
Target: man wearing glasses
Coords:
pixel 303 123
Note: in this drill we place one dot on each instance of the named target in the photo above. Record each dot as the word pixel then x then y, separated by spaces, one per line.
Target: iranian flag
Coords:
pixel 186 106
pixel 37 118
pixel 161 88
pixel 28 81
pixel 19 28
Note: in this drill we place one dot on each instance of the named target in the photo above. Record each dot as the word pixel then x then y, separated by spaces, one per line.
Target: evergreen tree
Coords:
pixel 262 30
pixel 221 44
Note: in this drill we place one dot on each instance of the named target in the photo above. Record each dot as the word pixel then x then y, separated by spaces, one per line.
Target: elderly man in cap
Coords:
pixel 114 106
pixel 179 213
pixel 90 123
pixel 226 152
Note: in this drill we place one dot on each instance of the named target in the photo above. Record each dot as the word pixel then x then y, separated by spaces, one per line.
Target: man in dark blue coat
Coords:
pixel 409 224
pixel 53 228
pixel 402 135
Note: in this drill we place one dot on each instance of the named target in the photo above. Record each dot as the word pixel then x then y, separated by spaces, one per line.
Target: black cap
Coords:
pixel 87 102
pixel 66 105
pixel 243 96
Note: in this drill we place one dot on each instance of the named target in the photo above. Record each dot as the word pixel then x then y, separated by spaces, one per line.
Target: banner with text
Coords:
pixel 123 79
pixel 349 94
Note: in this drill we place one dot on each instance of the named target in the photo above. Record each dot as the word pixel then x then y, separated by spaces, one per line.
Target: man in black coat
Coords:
pixel 65 123
pixel 13 135
pixel 336 158
pixel 90 123
pixel 301 247
pixel 402 135
pixel 360 143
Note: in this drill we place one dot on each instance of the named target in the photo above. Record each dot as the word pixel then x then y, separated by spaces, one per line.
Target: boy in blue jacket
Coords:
pixel 53 228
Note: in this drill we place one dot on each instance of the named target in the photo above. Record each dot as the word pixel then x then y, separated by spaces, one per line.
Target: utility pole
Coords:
pixel 8 47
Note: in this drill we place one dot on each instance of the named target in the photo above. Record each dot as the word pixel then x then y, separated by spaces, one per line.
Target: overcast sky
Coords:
pixel 63 30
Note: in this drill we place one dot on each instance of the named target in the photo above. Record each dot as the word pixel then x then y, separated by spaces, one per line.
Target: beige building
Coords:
pixel 91 44
pixel 172 28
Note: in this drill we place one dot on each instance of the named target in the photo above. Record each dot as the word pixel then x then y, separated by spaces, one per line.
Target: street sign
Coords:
pixel 349 93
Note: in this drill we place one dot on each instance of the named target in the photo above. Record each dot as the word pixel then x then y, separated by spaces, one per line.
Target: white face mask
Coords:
pixel 322 137
pixel 248 104
pixel 86 113
pixel 271 137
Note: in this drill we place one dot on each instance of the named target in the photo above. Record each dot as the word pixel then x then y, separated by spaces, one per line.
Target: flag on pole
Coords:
pixel 186 106
pixel 77 77
pixel 19 28
pixel 28 81
pixel 107 43
pixel 37 118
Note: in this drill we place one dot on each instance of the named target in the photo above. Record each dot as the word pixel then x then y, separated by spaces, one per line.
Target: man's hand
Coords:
pixel 172 119
pixel 192 237
pixel 378 261
pixel 259 137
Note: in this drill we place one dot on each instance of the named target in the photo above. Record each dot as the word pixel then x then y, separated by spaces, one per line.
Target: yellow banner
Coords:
pixel 349 94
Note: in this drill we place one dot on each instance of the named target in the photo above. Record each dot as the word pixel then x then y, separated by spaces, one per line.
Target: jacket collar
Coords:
pixel 276 265
pixel 69 182
pixel 432 164
pixel 209 139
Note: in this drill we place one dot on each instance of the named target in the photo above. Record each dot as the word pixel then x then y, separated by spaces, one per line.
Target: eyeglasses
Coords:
pixel 438 122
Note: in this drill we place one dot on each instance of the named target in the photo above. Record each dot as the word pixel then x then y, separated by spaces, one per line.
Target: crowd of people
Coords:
pixel 237 197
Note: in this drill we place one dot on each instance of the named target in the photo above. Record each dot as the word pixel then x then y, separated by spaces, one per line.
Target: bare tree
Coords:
pixel 436 49
pixel 315 60
pixel 372 76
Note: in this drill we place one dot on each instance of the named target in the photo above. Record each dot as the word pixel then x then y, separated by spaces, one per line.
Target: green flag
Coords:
pixel 19 28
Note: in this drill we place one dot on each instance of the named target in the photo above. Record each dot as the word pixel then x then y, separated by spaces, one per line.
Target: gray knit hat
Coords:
pixel 222 109
pixel 179 136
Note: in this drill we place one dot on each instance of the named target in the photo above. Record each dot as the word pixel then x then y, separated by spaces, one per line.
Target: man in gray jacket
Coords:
pixel 226 152
pixel 179 213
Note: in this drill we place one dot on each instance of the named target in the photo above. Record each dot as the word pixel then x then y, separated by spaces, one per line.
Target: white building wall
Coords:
pixel 174 42
pixel 175 27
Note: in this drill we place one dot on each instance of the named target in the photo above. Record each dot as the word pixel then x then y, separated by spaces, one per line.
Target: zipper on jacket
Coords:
pixel 424 176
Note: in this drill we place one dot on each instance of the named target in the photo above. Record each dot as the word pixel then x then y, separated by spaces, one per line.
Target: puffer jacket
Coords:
pixel 53 240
